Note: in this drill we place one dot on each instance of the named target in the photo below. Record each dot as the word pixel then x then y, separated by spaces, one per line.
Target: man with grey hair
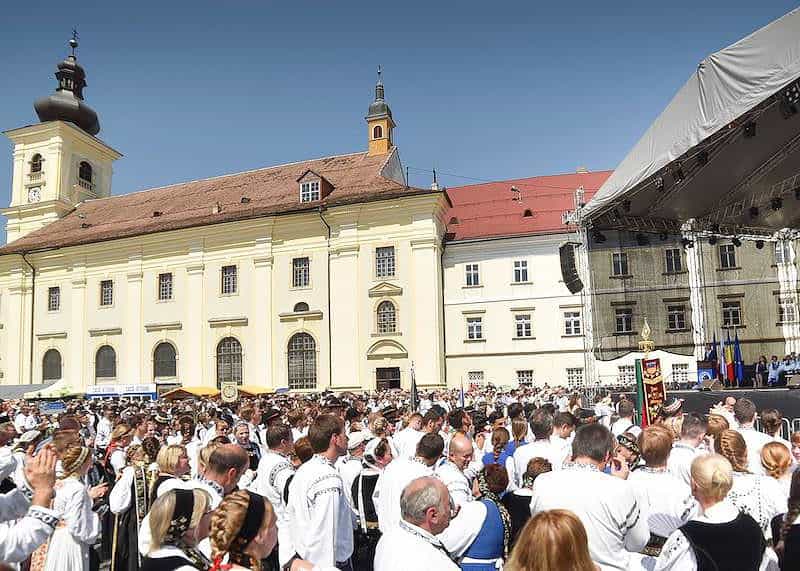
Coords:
pixel 425 509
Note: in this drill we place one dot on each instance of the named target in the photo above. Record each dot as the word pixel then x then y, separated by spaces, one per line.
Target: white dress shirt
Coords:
pixel 518 463
pixel 456 481
pixel 680 460
pixel 407 546
pixel 396 476
pixel 666 500
pixel 606 505
pixel 274 472
pixel 755 441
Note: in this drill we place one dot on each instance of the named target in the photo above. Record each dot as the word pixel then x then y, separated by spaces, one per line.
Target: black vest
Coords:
pixel 164 563
pixel 737 545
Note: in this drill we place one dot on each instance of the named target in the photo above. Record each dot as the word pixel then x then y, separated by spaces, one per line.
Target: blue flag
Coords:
pixel 737 357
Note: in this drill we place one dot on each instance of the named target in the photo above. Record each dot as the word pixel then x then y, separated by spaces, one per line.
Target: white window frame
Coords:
pixel 787 310
pixel 301 274
pixel 575 377
pixel 475 376
pixel 783 252
pixel 619 264
pixel 229 283
pixel 573 324
pixel 472 275
pixel 523 326
pixel 676 313
pixel 680 372
pixel 520 271
pixel 165 286
pixel 626 315
pixel 525 377
pixel 673 262
pixel 106 300
pixel 626 374
pixel 731 313
pixel 385 262
pixel 475 328
pixel 54 299
pixel 309 191
pixel 727 256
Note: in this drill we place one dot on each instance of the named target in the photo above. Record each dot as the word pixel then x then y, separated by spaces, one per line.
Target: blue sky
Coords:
pixel 483 90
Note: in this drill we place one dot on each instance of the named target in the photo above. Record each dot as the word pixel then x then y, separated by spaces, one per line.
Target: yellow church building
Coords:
pixel 312 275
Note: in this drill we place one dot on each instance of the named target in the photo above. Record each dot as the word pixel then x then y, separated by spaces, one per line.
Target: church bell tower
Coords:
pixel 379 122
pixel 58 162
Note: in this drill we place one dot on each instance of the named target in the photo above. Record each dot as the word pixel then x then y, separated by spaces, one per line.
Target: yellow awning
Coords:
pixel 254 391
pixel 188 392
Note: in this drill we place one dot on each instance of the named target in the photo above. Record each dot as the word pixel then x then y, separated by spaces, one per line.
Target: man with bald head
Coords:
pixel 451 471
pixel 426 510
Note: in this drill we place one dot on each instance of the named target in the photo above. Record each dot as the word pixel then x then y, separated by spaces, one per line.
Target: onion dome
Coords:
pixel 379 107
pixel 67 104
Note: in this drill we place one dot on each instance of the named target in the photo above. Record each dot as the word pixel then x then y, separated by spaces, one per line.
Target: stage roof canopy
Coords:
pixel 725 151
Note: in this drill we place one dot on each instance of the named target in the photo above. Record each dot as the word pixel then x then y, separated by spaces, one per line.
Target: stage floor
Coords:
pixel 785 400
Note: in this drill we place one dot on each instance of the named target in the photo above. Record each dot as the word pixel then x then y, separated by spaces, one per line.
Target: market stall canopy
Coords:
pixel 59 389
pixel 190 392
pixel 254 391
pixel 723 152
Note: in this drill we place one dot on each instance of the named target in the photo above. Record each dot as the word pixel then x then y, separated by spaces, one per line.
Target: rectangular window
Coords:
pixel 520 271
pixel 731 313
pixel 106 292
pixel 619 264
pixel 309 191
pixel 301 272
pixel 384 262
pixel 229 280
pixel 676 317
pixel 53 299
pixel 787 311
pixel 164 287
pixel 624 320
pixel 727 256
pixel 783 252
pixel 475 376
pixel 474 327
pixel 572 323
pixel 680 372
pixel 522 325
pixel 525 378
pixel 627 375
pixel 472 275
pixel 673 261
pixel 575 377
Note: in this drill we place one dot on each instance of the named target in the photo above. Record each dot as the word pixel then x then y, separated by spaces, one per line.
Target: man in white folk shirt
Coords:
pixel 605 503
pixel 684 451
pixel 563 433
pixel 744 411
pixel 320 517
pixel 275 471
pixel 541 423
pixel 666 499
pixel 349 466
pixel 426 509
pixel 406 440
pixel 451 472
pixel 398 474
pixel 625 422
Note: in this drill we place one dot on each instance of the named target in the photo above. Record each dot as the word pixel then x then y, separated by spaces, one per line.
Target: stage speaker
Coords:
pixel 793 382
pixel 711 385
pixel 569 272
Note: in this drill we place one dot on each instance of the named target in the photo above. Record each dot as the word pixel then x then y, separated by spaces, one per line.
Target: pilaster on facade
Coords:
pixel 694 265
pixel 788 297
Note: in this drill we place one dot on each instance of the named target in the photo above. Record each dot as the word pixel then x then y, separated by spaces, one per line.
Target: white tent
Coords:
pixel 725 86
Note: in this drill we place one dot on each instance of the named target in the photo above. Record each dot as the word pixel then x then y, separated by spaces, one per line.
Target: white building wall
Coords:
pixel 497 300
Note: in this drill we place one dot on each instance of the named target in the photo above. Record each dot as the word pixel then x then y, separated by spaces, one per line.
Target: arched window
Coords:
pixel 302 362
pixel 302 306
pixel 387 317
pixel 85 171
pixel 105 363
pixel 377 132
pixel 36 163
pixel 51 365
pixel 164 362
pixel 229 361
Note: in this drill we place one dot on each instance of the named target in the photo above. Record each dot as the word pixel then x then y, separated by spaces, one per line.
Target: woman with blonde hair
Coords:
pixel 777 462
pixel 552 540
pixel 115 459
pixel 68 548
pixel 173 464
pixel 721 536
pixel 754 494
pixel 716 424
pixel 178 520
pixel 203 456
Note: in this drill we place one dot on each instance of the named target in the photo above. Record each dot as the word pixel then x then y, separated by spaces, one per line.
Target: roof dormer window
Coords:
pixel 309 191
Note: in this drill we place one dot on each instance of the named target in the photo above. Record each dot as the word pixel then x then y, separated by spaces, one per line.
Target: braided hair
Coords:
pixel 732 446
pixel 791 514
pixel 226 524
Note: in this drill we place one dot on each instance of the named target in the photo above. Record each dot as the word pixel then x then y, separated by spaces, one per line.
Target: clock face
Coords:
pixel 34 194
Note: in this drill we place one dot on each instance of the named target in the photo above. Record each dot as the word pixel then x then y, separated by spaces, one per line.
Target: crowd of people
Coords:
pixel 522 480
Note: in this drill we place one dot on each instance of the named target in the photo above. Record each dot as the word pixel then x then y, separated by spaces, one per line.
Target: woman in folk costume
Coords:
pixel 129 501
pixel 173 465
pixel 178 520
pixel 490 548
pixel 115 459
pixel 68 549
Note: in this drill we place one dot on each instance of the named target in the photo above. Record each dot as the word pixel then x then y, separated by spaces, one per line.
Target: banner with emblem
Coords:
pixel 229 392
pixel 650 389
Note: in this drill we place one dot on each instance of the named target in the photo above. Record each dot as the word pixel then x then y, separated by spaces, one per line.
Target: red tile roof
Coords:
pixel 487 210
pixel 273 190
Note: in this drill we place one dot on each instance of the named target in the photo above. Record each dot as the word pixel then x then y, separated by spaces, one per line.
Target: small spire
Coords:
pixel 379 94
pixel 73 42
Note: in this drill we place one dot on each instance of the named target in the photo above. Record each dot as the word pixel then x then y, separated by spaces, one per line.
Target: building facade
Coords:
pixel 313 275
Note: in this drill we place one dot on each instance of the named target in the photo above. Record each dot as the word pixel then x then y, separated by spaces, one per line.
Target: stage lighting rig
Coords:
pixel 626 205
pixel 702 158
pixel 686 243
pixel 677 173
pixel 776 203
pixel 659 183
pixel 759 244
pixel 712 240
pixel 790 99
pixel 749 130
pixel 736 241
